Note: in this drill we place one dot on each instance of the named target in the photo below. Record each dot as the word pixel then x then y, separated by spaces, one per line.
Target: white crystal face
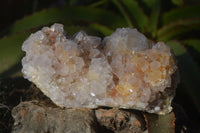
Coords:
pixel 126 71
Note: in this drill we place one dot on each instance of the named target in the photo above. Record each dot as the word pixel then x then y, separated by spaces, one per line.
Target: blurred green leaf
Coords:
pixel 123 12
pixel 193 46
pixel 177 28
pixel 72 29
pixel 189 72
pixel 160 123
pixel 136 12
pixel 98 3
pixel 177 2
pixel 106 31
pixel 11 54
pixel 154 18
pixel 149 3
pixel 195 43
pixel 77 14
pixel 187 12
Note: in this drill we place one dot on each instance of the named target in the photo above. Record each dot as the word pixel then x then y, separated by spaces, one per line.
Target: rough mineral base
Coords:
pixel 124 70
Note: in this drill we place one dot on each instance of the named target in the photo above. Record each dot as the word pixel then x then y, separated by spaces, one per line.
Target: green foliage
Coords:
pixel 73 14
pixel 101 28
pixel 154 17
pixel 123 12
pixel 136 13
pixel 189 72
pixel 181 13
pixel 194 43
pixel 10 54
pixel 177 2
pixel 178 26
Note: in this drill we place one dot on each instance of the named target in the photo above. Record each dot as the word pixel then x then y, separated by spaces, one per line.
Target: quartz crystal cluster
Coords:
pixel 124 70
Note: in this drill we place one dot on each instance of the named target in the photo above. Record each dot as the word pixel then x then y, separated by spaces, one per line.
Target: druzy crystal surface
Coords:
pixel 124 70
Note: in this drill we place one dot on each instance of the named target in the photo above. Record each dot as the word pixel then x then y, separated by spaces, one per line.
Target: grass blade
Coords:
pixel 194 43
pixel 74 14
pixel 99 3
pixel 106 31
pixel 123 12
pixel 153 23
pixel 181 13
pixel 137 14
pixel 177 2
pixel 177 28
pixel 10 54
pixel 193 46
pixel 149 3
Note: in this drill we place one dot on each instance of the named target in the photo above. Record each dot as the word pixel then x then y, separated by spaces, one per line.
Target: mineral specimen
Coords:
pixel 125 70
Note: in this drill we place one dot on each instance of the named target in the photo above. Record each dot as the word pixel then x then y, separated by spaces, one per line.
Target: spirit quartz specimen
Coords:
pixel 125 70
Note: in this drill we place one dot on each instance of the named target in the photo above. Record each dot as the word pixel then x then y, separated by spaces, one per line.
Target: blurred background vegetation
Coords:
pixel 176 22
